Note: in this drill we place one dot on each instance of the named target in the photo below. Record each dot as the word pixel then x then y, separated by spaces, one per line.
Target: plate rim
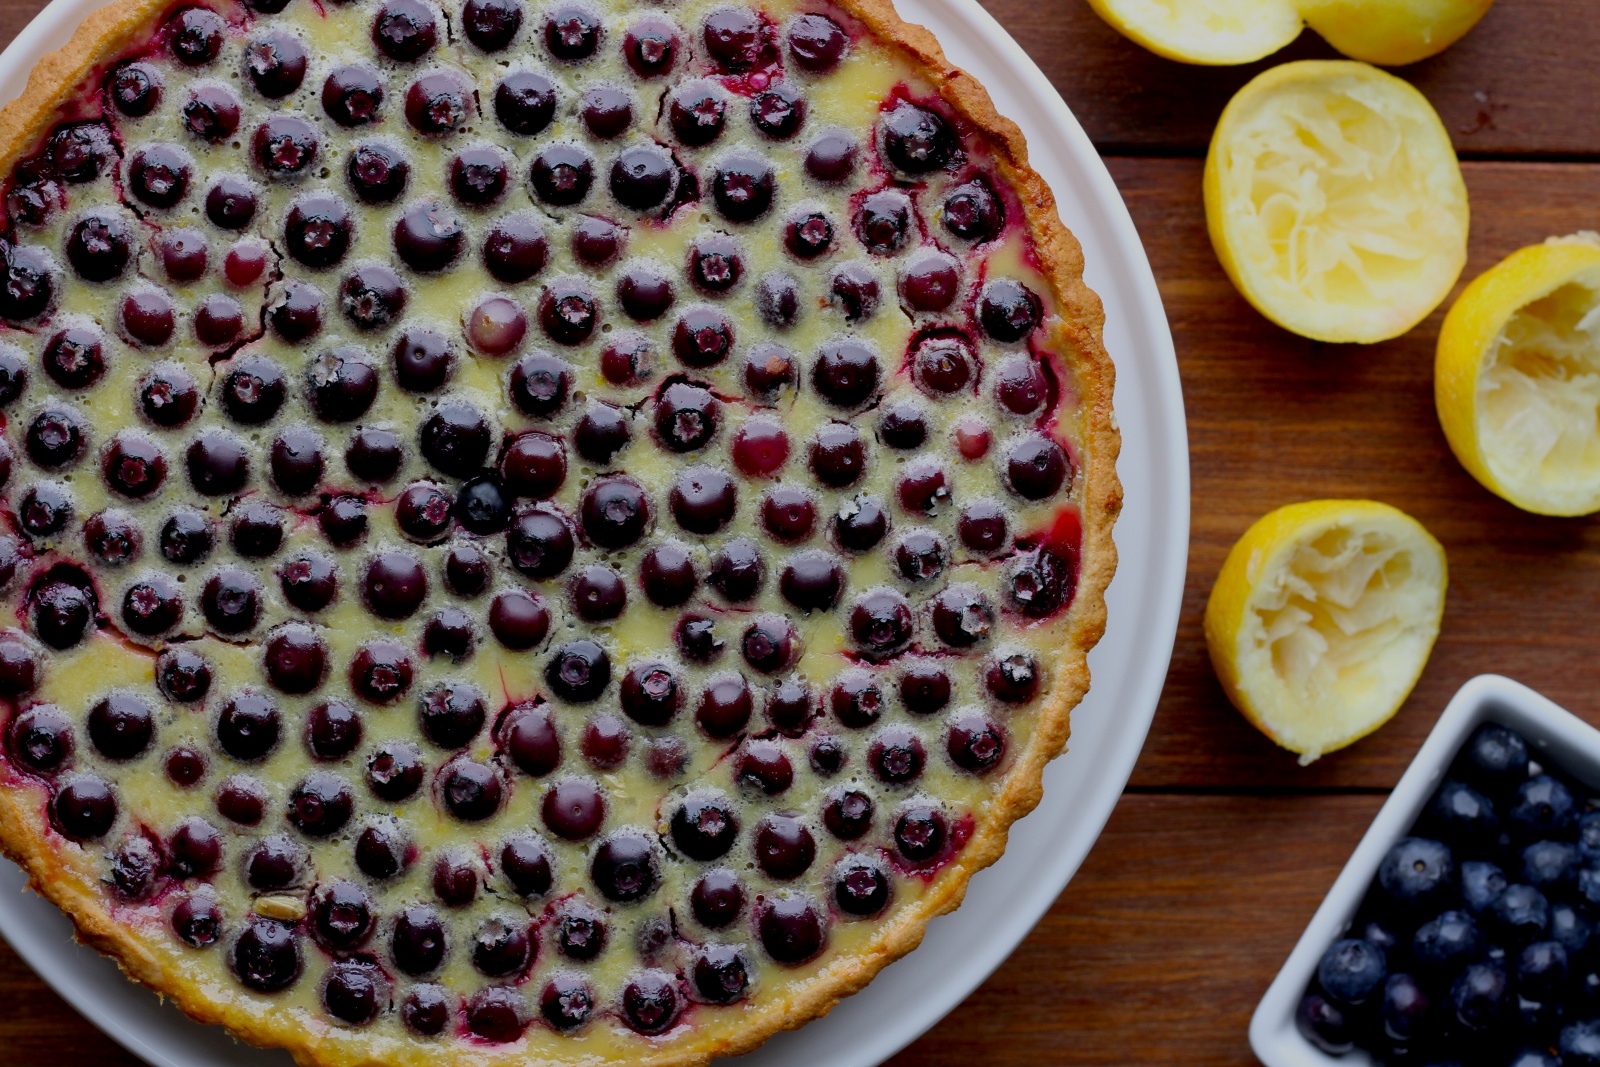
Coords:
pixel 165 1038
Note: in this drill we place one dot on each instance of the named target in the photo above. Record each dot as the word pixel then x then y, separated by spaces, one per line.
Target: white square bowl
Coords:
pixel 1556 738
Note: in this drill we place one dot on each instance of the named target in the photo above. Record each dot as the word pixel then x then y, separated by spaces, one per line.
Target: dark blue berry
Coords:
pixel 1325 1024
pixel 1534 1057
pixel 1589 884
pixel 1589 836
pixel 1461 816
pixel 1541 970
pixel 1418 875
pixel 1403 1011
pixel 1543 807
pixel 1494 760
pixel 1580 1044
pixel 1549 866
pixel 1381 934
pixel 1478 998
pixel 1446 942
pixel 1352 970
pixel 1570 929
pixel 1481 882
pixel 1519 915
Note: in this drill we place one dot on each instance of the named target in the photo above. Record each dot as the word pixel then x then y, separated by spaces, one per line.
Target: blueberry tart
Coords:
pixel 533 533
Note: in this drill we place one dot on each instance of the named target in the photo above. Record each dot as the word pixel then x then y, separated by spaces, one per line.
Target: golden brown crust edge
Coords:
pixel 103 34
pixel 107 31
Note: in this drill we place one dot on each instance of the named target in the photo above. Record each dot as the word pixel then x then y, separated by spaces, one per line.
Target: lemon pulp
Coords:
pixel 1517 377
pixel 1335 201
pixel 1322 618
pixel 1539 396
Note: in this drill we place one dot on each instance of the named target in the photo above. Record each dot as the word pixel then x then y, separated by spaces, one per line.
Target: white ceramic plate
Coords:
pixel 1108 730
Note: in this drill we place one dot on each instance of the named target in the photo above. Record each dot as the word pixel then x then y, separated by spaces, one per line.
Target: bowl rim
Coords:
pixel 1554 735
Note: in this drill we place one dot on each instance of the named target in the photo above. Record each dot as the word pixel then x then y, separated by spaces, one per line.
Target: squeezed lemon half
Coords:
pixel 1209 32
pixel 1213 32
pixel 1392 33
pixel 1517 377
pixel 1335 202
pixel 1322 618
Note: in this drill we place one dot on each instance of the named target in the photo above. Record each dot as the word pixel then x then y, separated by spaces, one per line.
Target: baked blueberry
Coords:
pixel 845 373
pixel 540 384
pixel 377 172
pixel 491 24
pixel 697 112
pixel 572 33
pixel 440 102
pixel 525 102
pixel 276 63
pixel 479 176
pixel 353 95
pixel 371 297
pixel 405 30
pixel 562 174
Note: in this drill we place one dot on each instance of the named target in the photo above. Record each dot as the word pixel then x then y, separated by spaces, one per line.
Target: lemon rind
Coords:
pixel 1388 34
pixel 1466 346
pixel 1373 31
pixel 1230 226
pixel 1263 551
pixel 1202 49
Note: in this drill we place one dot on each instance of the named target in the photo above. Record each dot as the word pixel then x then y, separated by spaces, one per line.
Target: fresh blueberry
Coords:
pixel 1325 1024
pixel 1537 1017
pixel 1444 943
pixel 1533 1057
pixel 1589 884
pixel 1462 816
pixel 1518 916
pixel 1585 994
pixel 1403 1009
pixel 1481 882
pixel 1580 1044
pixel 1570 929
pixel 1494 760
pixel 1381 934
pixel 1478 998
pixel 1418 875
pixel 1352 970
pixel 1550 866
pixel 1542 971
pixel 1589 836
pixel 1543 807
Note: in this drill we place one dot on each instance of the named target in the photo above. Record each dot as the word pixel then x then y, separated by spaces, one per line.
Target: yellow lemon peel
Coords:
pixel 1322 619
pixel 1517 377
pixel 1225 32
pixel 1335 201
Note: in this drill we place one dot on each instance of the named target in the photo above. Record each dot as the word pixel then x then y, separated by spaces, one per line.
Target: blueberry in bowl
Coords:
pixel 1462 931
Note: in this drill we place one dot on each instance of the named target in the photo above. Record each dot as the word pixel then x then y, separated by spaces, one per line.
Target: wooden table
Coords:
pixel 1222 846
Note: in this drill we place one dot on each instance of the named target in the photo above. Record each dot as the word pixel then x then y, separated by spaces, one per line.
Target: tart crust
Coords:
pixel 1076 333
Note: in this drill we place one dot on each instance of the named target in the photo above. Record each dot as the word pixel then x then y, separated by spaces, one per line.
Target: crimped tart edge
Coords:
pixel 1077 332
